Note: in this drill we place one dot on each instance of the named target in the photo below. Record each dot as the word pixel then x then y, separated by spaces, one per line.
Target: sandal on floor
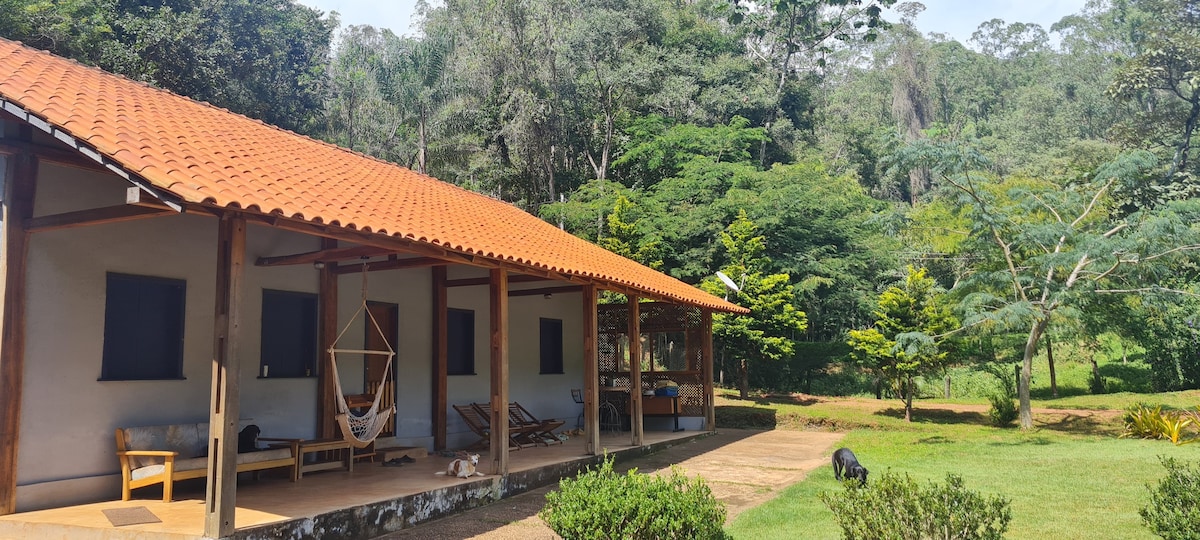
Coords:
pixel 393 463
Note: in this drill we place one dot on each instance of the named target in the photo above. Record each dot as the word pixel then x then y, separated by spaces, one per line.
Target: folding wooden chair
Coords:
pixel 478 424
pixel 543 433
pixel 519 435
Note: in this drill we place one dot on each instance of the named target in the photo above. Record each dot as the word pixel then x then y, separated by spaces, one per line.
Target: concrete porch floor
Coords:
pixel 368 502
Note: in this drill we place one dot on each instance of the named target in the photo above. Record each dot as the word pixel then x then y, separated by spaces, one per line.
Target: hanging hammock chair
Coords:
pixel 361 429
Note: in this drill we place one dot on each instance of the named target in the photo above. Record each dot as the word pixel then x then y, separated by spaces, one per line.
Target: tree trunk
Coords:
pixel 947 387
pixel 745 382
pixel 908 392
pixel 1035 334
pixel 422 145
pixel 1053 376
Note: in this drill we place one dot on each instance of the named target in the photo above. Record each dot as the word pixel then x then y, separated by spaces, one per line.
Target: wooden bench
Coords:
pixel 165 454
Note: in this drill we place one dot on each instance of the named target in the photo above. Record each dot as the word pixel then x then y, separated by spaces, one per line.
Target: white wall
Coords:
pixel 68 417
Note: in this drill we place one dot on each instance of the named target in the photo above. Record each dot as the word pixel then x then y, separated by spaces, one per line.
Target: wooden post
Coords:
pixel 635 371
pixel 591 372
pixel 440 364
pixel 20 184
pixel 327 303
pixel 499 348
pixel 706 359
pixel 220 502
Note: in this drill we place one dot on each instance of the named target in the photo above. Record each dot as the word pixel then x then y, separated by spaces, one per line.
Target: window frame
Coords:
pixel 120 361
pixel 457 345
pixel 300 367
pixel 553 360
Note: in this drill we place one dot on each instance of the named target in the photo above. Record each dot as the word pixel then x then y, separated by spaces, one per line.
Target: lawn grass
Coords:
pixel 1062 483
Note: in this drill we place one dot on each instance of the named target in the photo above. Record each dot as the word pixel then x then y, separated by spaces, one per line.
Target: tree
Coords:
pixel 1048 244
pixel 626 238
pixel 1163 76
pixel 769 331
pixel 261 58
pixel 903 344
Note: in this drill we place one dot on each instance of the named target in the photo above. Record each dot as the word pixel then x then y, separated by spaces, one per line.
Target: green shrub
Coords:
pixel 1003 410
pixel 1174 509
pixel 895 507
pixel 599 503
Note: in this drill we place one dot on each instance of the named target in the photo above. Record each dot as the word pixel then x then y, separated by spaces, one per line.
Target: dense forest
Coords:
pixel 902 200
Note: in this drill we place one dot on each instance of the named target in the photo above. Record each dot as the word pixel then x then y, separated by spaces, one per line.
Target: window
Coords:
pixel 289 334
pixel 668 351
pixel 143 328
pixel 460 346
pixel 552 345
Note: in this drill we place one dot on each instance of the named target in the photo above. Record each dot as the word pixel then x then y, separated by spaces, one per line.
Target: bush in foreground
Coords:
pixel 601 504
pixel 1174 509
pixel 895 507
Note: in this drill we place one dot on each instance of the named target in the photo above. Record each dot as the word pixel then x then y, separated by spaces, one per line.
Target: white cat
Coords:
pixel 463 467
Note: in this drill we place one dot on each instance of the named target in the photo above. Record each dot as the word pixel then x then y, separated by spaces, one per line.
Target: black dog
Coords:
pixel 248 439
pixel 845 464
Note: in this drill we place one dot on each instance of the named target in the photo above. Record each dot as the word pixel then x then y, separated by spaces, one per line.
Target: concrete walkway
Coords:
pixel 743 468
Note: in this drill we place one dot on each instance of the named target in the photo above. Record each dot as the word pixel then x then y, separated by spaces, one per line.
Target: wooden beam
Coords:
pixel 51 154
pixel 468 282
pixel 327 304
pixel 546 290
pixel 220 502
pixel 323 255
pixel 393 264
pixel 499 360
pixel 591 372
pixel 440 365
pixel 706 369
pixel 93 216
pixel 634 331
pixel 20 186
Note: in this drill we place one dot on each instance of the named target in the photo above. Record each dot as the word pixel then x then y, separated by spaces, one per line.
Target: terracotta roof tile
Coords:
pixel 207 155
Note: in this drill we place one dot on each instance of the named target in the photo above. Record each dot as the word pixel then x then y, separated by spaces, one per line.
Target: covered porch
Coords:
pixel 370 501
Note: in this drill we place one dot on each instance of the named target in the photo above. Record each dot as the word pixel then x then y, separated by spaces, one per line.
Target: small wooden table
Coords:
pixel 300 447
pixel 661 406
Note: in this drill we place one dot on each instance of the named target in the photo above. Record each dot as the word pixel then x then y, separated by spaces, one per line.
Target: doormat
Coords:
pixel 130 516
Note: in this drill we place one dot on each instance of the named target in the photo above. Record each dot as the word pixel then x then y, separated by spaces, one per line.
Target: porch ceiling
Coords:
pixel 190 153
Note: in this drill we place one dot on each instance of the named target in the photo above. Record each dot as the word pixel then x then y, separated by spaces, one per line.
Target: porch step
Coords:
pixel 415 452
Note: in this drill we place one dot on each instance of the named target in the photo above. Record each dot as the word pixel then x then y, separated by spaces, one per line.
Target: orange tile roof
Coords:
pixel 207 155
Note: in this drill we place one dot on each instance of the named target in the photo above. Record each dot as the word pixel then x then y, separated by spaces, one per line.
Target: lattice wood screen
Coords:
pixel 655 318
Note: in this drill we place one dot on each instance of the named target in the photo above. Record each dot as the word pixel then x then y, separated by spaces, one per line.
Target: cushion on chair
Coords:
pixel 202 462
pixel 189 440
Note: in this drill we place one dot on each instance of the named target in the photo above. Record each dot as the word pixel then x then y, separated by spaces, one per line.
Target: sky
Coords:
pixel 958 18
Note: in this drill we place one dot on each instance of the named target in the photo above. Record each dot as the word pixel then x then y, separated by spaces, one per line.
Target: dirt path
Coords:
pixel 744 468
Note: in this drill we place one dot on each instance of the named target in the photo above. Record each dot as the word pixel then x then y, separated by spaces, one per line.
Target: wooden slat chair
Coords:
pixel 544 432
pixel 519 435
pixel 478 424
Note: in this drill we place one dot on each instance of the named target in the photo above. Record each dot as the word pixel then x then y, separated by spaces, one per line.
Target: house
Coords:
pixel 167 261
